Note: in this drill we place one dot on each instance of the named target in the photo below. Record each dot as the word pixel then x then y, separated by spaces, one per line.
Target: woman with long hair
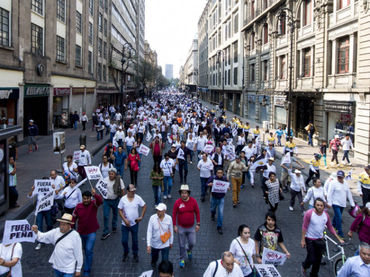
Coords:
pixel 133 160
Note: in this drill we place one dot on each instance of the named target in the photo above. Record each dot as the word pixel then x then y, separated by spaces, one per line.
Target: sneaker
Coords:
pixel 136 258
pixel 291 208
pixel 219 230
pixel 234 205
pixel 114 230
pixel 191 162
pixel 349 164
pixel 105 236
pixel 165 197
pixel 38 246
pixel 36 147
pixel 190 255
pixel 182 264
pixel 169 196
pixel 303 271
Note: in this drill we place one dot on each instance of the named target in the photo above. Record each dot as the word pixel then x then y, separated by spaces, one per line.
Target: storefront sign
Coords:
pixel 34 91
pixel 279 100
pixel 339 106
pixel 61 91
pixel 4 94
pixel 82 90
pixel 9 93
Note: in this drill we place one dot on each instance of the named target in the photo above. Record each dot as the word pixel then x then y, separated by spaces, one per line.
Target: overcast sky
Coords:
pixel 170 27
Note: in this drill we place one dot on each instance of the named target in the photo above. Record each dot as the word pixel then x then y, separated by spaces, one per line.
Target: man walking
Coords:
pixel 235 174
pixel 129 212
pixel 167 165
pixel 357 265
pixel 85 214
pixel 363 185
pixel 115 190
pixel 119 158
pixel 67 256
pixel 33 131
pixel 85 160
pixel 347 146
pixel 183 213
pixel 226 266
pixel 182 160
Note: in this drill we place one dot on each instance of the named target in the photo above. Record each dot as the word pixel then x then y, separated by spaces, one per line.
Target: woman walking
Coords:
pixel 133 160
pixel 157 182
pixel 273 191
pixel 71 195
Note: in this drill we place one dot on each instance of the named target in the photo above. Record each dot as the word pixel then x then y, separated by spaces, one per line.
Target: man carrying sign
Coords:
pixel 217 199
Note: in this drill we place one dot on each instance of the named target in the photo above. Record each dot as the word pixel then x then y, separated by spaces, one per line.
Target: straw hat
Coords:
pixel 66 218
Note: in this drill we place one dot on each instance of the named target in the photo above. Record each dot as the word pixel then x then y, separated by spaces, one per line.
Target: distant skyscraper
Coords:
pixel 169 71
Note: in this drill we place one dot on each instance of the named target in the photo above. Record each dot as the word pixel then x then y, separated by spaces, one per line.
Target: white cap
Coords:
pixel 161 207
pixel 297 171
pixel 271 159
pixel 336 136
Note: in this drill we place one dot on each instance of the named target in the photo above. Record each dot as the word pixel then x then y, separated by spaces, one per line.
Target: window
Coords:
pixel 265 65
pixel 60 49
pixel 101 3
pixel 344 3
pixel 61 10
pixel 105 27
pixel 90 61
pixel 235 75
pixel 100 22
pixel 252 73
pixel 282 67
pixel 228 77
pixel 236 23
pixel 4 27
pixel 78 22
pixel 265 33
pixel 307 12
pixel 252 41
pixel 105 50
pixel 90 33
pixel 91 7
pixel 38 6
pixel 307 62
pixel 104 73
pixel 235 46
pixel 99 72
pixel 37 39
pixel 282 25
pixel 106 6
pixel 343 55
pixel 100 47
pixel 78 56
pixel 252 8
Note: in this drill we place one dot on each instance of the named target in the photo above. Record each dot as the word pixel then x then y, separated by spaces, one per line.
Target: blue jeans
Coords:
pixel 112 136
pixel 310 139
pixel 120 169
pixel 134 234
pixel 88 242
pixel 279 140
pixel 128 148
pixel 40 219
pixel 155 254
pixel 75 125
pixel 157 194
pixel 164 136
pixel 107 206
pixel 203 183
pixel 215 202
pixel 57 273
pixel 167 183
pixel 337 219
pixel 346 155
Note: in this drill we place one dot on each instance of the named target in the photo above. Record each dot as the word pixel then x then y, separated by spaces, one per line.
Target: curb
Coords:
pixel 27 209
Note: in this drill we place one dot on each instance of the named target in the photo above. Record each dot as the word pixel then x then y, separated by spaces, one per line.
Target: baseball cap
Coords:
pixel 297 171
pixel 336 136
pixel 271 159
pixel 31 120
pixel 340 173
pixel 184 187
pixel 161 207
pixel 82 146
pixel 173 145
pixel 367 205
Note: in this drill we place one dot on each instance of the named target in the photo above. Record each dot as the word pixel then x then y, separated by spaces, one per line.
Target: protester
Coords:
pixel 85 214
pixel 357 265
pixel 71 195
pixel 334 147
pixel 165 269
pixel 273 191
pixel 159 236
pixel 32 132
pixel 167 165
pixel 361 225
pixel 297 188
pixel 105 166
pixel 10 259
pixel 314 168
pixel 84 160
pixel 13 193
pixel 70 169
pixel 133 161
pixel 205 166
pixel 67 256
pixel 226 266
pixel 84 120
pixel 183 213
pixel 314 192
pixel 347 146
pixel 156 148
pixel 119 159
pixel 157 182
pixel 128 208
pixel 182 160
pixel 363 185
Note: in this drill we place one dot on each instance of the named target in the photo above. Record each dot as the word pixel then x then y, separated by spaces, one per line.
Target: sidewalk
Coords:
pixel 38 164
pixel 305 154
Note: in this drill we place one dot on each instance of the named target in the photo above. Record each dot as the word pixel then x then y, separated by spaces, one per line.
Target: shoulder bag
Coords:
pixel 166 235
pixel 246 256
pixel 62 237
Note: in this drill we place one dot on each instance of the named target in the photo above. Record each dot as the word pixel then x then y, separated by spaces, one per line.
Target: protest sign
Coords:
pixel 258 163
pixel 76 156
pixel 235 132
pixel 148 137
pixel 45 203
pixel 143 149
pixel 267 270
pixel 42 185
pixel 273 257
pixel 286 159
pixel 148 273
pixel 93 172
pixel 220 186
pixel 169 139
pixel 101 186
pixel 18 231
pixel 208 148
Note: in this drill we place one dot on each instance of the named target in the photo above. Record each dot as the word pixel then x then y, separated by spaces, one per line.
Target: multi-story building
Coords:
pixel 191 65
pixel 151 57
pixel 203 53
pixel 168 71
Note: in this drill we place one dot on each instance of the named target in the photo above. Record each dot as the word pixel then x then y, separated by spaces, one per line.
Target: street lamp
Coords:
pixel 287 15
pixel 219 53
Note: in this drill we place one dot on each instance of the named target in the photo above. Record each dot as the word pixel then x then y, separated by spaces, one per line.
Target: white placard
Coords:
pixel 143 149
pixel 286 159
pixel 46 202
pixel 273 257
pixel 267 270
pixel 18 231
pixel 148 273
pixel 208 148
pixel 169 139
pixel 42 185
pixel 101 186
pixel 76 156
pixel 93 172
pixel 148 137
pixel 220 186
pixel 235 132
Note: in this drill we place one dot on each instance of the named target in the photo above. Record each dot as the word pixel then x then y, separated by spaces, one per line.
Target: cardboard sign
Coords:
pixel 273 257
pixel 220 186
pixel 18 231
pixel 76 156
pixel 148 273
pixel 143 149
pixel 93 172
pixel 45 203
pixel 101 186
pixel 148 137
pixel 267 270
pixel 59 142
pixel 42 186
pixel 208 148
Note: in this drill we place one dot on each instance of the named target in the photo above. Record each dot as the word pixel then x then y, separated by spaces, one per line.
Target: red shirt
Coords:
pixel 86 216
pixel 157 150
pixel 133 159
pixel 183 212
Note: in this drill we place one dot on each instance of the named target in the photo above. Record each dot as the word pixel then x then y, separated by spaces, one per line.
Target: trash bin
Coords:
pixel 83 139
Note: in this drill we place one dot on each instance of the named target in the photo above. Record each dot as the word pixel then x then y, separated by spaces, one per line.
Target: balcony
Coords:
pixel 343 15
pixel 342 81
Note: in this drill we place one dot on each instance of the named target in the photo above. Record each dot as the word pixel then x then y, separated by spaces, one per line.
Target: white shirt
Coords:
pixel 205 168
pixel 241 140
pixel 131 209
pixel 118 116
pixel 339 193
pixel 190 144
pixel 201 142
pixel 249 249
pixel 84 118
pixel 110 193
pixel 66 252
pixel 167 166
pixel 74 197
pixel 249 151
pixel 221 271
pixel 70 170
pixel 104 169
pixel 129 141
pixel 347 144
pixel 58 182
pixel 6 255
pixel 270 168
pixel 156 228
pixel 314 193
pixel 119 135
pixel 297 183
pixel 317 225
pixel 85 158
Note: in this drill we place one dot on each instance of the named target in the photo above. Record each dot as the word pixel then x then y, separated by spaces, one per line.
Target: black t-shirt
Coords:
pixel 268 238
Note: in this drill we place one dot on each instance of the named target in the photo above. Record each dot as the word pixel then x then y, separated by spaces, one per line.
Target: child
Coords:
pixel 323 148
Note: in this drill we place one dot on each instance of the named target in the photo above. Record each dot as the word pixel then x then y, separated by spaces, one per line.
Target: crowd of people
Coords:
pixel 229 155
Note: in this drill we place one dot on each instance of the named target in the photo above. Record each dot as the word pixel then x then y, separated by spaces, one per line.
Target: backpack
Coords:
pixel 117 186
pixel 214 273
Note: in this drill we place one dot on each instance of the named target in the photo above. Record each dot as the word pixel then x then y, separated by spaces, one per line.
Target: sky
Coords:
pixel 170 27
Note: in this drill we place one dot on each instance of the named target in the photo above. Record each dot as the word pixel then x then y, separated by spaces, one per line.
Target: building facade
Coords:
pixel 168 71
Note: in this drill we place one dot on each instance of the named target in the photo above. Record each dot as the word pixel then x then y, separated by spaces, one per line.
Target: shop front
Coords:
pixel 36 107
pixel 280 113
pixel 304 114
pixel 8 106
pixel 252 107
pixel 340 118
pixel 83 100
pixel 107 97
pixel 61 107
pixel 264 102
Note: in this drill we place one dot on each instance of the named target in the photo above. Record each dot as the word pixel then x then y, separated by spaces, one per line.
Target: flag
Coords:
pixel 286 159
